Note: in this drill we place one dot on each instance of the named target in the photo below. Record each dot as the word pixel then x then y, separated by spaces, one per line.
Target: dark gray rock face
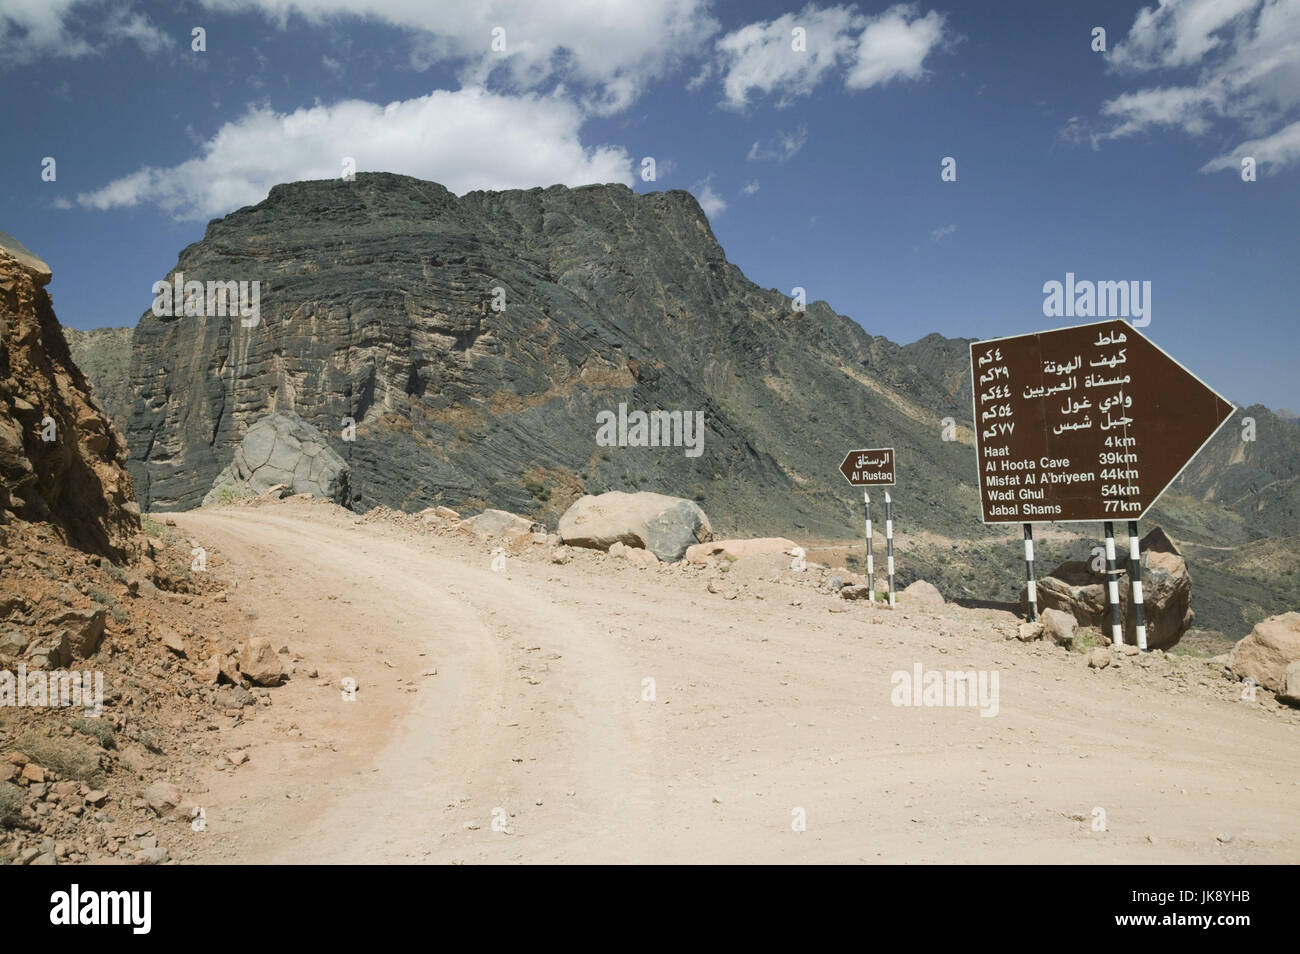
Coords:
pixel 283 449
pixel 104 356
pixel 475 340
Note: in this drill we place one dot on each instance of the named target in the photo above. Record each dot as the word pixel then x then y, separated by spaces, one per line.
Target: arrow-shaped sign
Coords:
pixel 869 468
pixel 1085 423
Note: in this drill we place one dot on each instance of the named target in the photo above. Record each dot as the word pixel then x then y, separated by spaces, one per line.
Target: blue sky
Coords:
pixel 819 168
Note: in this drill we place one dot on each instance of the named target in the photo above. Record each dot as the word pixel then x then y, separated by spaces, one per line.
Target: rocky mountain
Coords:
pixel 475 340
pixel 61 462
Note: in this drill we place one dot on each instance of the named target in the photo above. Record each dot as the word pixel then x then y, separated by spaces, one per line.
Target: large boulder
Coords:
pixel 1075 588
pixel 282 449
pixel 715 550
pixel 1264 655
pixel 923 593
pixel 664 525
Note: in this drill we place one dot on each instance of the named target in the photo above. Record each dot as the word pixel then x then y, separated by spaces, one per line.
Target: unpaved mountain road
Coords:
pixel 518 696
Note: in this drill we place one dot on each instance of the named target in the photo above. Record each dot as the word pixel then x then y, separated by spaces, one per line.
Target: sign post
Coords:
pixel 889 544
pixel 1089 423
pixel 1112 586
pixel 874 468
pixel 1031 587
pixel 871 562
pixel 1135 581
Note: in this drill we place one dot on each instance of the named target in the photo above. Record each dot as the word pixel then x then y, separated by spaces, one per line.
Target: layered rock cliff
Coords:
pixel 475 341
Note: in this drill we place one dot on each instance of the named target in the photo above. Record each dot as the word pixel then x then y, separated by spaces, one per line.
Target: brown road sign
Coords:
pixel 869 468
pixel 1085 423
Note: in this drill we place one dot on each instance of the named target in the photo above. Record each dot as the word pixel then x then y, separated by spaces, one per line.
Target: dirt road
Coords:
pixel 519 700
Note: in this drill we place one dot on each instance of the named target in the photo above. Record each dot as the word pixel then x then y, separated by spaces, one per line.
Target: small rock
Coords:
pixel 152 856
pixel 1030 632
pixel 1099 658
pixel 259 661
pixel 172 640
pixel 162 797
pixel 1059 627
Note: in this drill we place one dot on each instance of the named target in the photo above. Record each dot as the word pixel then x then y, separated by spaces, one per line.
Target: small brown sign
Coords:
pixel 869 468
pixel 1085 423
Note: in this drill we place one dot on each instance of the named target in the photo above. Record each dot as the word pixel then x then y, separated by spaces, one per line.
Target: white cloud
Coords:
pixel 760 57
pixel 1273 152
pixel 1186 107
pixel 942 232
pixel 712 203
pixel 469 139
pixel 894 46
pixel 1239 67
pixel 33 29
pixel 787 145
pixel 124 24
pixel 750 187
pixel 1176 33
pixel 611 49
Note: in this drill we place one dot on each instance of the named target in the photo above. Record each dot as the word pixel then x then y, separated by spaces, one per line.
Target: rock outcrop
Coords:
pixel 1076 588
pixel 283 450
pixel 666 526
pixel 1264 655
pixel 61 461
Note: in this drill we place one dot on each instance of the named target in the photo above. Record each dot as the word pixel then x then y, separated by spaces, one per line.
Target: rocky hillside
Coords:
pixel 475 340
pixel 61 462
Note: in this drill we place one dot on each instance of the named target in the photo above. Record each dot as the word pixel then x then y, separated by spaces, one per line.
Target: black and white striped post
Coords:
pixel 1135 575
pixel 1112 587
pixel 871 557
pixel 889 544
pixel 1031 587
